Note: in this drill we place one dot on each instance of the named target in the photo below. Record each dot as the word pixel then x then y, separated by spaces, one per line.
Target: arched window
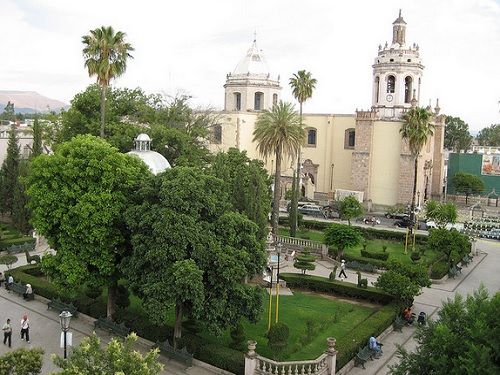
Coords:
pixel 275 99
pixel 311 137
pixel 237 101
pixel 349 138
pixel 258 101
pixel 391 84
pixel 408 89
pixel 217 135
pixel 377 88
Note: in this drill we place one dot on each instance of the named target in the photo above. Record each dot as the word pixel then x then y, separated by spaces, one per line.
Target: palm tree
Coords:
pixel 106 54
pixel 416 130
pixel 278 132
pixel 302 85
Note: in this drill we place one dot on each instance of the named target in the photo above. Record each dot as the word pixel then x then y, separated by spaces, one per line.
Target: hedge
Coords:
pixel 380 264
pixel 5 243
pixel 324 285
pixel 374 255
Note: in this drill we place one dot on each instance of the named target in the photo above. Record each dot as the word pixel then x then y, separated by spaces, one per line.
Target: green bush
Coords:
pixel 8 260
pixel 223 357
pixel 41 287
pixel 415 256
pixel 93 291
pixel 5 243
pixel 237 336
pixel 374 255
pixel 98 309
pixel 322 284
pixel 380 264
pixel 278 337
pixel 122 299
pixel 439 270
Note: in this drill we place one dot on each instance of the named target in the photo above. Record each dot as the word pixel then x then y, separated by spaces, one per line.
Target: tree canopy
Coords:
pixel 78 197
pixel 342 236
pixel 462 340
pixel 350 208
pixel 22 362
pixel 9 174
pixel 117 357
pixel 467 184
pixel 184 221
pixel 489 136
pixel 456 134
pixel 441 213
pixel 450 243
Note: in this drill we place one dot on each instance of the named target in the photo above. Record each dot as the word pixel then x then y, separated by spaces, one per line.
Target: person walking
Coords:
pixel 25 328
pixel 7 333
pixel 342 270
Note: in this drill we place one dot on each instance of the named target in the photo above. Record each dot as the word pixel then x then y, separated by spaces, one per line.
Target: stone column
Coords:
pixel 361 156
pixel 251 358
pixel 331 355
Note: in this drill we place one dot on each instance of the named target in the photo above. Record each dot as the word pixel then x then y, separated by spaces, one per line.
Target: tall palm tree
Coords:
pixel 106 54
pixel 278 132
pixel 416 130
pixel 302 85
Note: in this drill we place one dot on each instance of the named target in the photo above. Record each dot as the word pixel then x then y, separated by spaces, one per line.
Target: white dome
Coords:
pixel 155 161
pixel 254 63
pixel 143 137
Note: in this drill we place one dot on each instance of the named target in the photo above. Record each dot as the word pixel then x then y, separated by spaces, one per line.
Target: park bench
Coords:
pixel 112 327
pixel 454 271
pixel 19 289
pixel 181 355
pixel 363 355
pixel 398 324
pixel 60 306
pixel 466 260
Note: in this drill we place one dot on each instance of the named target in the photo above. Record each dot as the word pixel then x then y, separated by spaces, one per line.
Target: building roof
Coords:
pixel 399 19
pixel 155 161
pixel 254 63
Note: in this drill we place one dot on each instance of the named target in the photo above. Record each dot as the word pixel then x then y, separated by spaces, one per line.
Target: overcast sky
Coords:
pixel 191 45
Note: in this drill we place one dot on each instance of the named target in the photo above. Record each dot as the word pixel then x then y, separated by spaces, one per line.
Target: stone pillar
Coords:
pixel 437 178
pixel 406 173
pixel 331 355
pixel 251 358
pixel 361 156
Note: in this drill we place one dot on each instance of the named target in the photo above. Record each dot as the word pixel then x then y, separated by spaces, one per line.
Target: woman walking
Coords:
pixel 25 328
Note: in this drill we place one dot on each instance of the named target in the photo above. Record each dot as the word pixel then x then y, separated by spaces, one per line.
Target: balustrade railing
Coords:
pixel 267 366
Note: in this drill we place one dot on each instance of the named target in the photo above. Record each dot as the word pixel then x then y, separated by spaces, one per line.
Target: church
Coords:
pixel 359 154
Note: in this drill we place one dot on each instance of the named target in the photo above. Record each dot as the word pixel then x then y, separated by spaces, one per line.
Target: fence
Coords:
pixel 299 244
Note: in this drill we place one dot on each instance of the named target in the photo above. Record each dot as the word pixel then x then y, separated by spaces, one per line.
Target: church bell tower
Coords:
pixel 397 74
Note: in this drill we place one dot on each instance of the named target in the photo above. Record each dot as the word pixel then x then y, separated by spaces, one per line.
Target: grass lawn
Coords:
pixel 395 249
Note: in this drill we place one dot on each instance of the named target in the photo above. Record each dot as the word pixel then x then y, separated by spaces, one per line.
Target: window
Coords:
pixel 349 138
pixel 377 88
pixel 275 99
pixel 311 137
pixel 258 101
pixel 391 84
pixel 237 101
pixel 217 136
pixel 408 87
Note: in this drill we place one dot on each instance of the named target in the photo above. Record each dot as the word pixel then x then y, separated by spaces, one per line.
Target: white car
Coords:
pixel 457 226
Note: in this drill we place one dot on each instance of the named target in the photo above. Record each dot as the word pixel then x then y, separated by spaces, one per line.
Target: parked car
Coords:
pixel 456 226
pixel 397 215
pixel 404 222
pixel 312 209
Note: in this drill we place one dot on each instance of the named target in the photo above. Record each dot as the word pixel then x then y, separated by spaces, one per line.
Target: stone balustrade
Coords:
pixel 300 244
pixel 323 365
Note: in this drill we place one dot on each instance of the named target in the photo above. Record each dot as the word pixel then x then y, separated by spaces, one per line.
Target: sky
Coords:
pixel 189 46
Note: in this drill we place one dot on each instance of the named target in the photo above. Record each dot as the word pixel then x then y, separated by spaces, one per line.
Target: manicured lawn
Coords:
pixel 312 235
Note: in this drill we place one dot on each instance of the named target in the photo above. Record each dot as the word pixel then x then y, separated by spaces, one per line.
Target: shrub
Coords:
pixel 415 256
pixel 122 299
pixel 98 309
pixel 223 357
pixel 237 336
pixel 374 255
pixel 93 291
pixel 322 284
pixel 8 260
pixel 400 286
pixel 415 272
pixel 304 262
pixel 377 263
pixel 439 270
pixel 278 337
pixel 384 248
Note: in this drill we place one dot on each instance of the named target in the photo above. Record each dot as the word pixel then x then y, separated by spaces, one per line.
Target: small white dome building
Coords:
pixel 154 160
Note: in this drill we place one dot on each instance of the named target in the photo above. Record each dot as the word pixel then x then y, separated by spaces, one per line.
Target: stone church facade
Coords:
pixel 361 152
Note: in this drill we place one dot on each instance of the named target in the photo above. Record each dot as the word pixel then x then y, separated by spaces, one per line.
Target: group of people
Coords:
pixel 10 280
pixel 409 316
pixel 25 331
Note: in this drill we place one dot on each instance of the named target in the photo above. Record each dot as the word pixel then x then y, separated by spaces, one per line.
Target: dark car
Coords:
pixel 397 215
pixel 404 222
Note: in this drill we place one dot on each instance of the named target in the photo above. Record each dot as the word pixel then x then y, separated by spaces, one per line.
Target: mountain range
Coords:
pixel 29 102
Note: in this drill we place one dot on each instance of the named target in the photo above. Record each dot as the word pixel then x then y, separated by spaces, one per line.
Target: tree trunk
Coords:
pixel 178 323
pixel 277 192
pixel 103 107
pixel 111 299
pixel 412 207
pixel 296 191
pixel 293 209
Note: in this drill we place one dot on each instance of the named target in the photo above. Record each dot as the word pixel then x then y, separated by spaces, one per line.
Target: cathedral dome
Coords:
pixel 254 63
pixel 154 160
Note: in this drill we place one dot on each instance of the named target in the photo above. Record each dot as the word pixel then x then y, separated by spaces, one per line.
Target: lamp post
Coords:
pixel 65 319
pixel 418 198
pixel 279 246
pixel 270 298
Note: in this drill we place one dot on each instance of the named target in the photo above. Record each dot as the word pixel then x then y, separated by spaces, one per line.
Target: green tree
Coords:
pixel 416 130
pixel 184 221
pixel 441 213
pixel 248 184
pixel 117 357
pixel 462 340
pixel 105 53
pixel 8 112
pixel 467 184
pixel 456 134
pixel 342 236
pixel 450 243
pixel 37 139
pixel 278 132
pixel 10 172
pixel 489 136
pixel 350 208
pixel 400 286
pixel 22 362
pixel 418 273
pixel 20 212
pixel 305 262
pixel 302 85
pixel 78 198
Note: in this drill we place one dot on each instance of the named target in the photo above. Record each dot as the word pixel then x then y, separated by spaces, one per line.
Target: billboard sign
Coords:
pixel 491 165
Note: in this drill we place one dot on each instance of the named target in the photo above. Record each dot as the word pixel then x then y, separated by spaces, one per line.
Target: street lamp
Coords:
pixel 418 198
pixel 279 246
pixel 65 319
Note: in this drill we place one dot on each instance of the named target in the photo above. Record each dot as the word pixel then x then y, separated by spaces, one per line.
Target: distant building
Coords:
pixel 362 152
pixel 24 139
pixel 154 160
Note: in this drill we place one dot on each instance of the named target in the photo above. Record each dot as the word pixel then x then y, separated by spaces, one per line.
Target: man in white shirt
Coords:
pixel 7 333
pixel 25 328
